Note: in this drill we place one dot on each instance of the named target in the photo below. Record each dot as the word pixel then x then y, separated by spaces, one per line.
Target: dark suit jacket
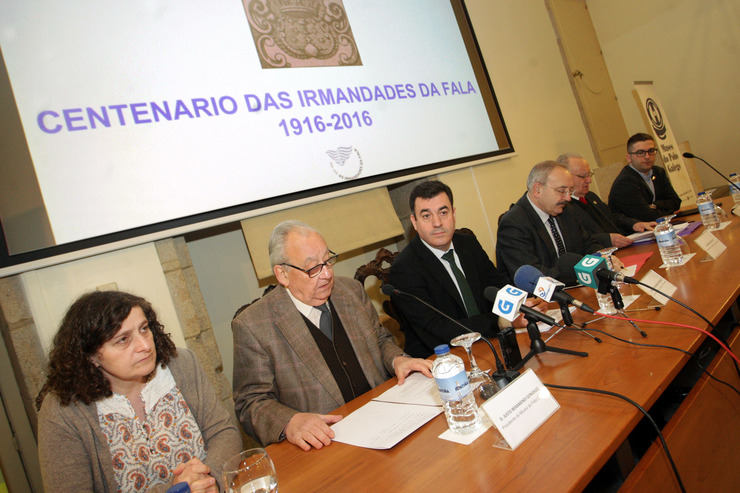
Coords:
pixel 278 368
pixel 524 240
pixel 598 218
pixel 631 196
pixel 417 271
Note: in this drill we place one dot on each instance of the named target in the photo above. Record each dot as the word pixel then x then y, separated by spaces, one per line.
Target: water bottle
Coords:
pixel 457 397
pixel 709 217
pixel 668 244
pixel 735 190
pixel 179 488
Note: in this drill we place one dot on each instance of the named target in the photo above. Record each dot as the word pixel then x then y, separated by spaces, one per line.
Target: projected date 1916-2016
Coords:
pixel 318 123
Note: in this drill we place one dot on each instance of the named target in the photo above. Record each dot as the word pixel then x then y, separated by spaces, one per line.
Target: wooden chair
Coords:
pixel 241 308
pixel 380 268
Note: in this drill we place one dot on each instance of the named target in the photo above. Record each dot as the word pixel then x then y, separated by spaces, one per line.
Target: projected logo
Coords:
pixel 656 118
pixel 301 33
pixel 346 162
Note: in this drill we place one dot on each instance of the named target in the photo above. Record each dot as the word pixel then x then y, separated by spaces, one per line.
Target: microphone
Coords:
pixel 689 155
pixel 530 279
pixel 592 268
pixel 502 301
pixel 564 267
pixel 501 376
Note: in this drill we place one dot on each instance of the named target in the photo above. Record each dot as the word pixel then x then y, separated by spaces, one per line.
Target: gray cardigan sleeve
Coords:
pixel 220 435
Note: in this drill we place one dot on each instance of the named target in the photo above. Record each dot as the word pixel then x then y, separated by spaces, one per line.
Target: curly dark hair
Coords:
pixel 91 321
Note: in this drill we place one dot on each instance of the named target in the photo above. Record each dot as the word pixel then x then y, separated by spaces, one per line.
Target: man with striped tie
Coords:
pixel 540 230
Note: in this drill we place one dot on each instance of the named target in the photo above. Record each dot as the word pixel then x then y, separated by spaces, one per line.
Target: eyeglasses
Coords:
pixel 642 152
pixel 585 175
pixel 562 190
pixel 316 269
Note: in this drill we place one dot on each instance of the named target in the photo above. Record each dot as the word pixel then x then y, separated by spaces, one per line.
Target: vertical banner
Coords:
pixel 667 146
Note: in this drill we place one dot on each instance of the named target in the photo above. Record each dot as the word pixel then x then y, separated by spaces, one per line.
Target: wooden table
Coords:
pixel 567 451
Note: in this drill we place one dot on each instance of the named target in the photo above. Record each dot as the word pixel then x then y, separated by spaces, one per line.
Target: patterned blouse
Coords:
pixel 145 453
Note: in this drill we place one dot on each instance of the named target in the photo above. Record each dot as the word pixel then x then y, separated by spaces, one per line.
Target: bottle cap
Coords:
pixel 660 220
pixel 442 349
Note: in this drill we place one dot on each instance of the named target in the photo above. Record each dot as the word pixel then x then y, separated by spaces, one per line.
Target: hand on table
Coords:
pixel 197 475
pixel 310 430
pixel 403 366
pixel 620 241
pixel 644 226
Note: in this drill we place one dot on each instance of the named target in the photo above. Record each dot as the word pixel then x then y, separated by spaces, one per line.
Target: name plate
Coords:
pixel 710 244
pixel 520 408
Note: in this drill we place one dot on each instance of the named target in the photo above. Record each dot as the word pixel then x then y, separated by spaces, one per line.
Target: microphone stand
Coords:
pixel 501 376
pixel 568 321
pixel 538 346
pixel 609 287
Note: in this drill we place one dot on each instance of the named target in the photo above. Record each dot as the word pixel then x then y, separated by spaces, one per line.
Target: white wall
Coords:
pixel 136 270
pixel 690 49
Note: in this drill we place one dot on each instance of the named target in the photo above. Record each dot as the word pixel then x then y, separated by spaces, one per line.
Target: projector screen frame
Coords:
pixel 52 255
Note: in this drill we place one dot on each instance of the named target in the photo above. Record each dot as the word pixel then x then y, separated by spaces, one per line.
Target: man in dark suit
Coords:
pixel 309 346
pixel 595 215
pixel 425 268
pixel 641 189
pixel 540 229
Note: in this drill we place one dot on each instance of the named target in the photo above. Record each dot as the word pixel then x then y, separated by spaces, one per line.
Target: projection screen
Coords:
pixel 127 119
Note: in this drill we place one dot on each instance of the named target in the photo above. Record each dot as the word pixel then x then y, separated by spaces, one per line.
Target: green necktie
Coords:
pixel 467 294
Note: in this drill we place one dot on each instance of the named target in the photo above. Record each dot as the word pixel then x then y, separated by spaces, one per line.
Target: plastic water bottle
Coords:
pixel 709 217
pixel 668 244
pixel 457 397
pixel 734 178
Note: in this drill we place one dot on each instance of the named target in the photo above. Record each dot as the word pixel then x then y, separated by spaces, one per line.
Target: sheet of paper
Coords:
pixel 682 229
pixel 710 244
pixel 417 389
pixel 635 260
pixel 381 425
pixel 654 279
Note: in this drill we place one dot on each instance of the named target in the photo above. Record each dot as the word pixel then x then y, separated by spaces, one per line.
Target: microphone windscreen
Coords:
pixel 688 154
pixel 526 277
pixel 490 293
pixel 565 266
pixel 388 289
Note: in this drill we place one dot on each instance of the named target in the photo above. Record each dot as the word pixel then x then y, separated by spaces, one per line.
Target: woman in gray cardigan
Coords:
pixel 123 410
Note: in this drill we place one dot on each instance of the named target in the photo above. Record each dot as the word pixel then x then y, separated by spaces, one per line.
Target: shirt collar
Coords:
pixel 436 251
pixel 544 216
pixel 301 306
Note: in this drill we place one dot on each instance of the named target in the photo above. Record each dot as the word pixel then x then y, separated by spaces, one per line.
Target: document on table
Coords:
pixel 381 425
pixel 392 416
pixel 417 389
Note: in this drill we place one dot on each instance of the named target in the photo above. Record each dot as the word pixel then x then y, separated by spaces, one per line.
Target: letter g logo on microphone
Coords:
pixel 507 303
pixel 505 306
pixel 584 278
pixel 589 261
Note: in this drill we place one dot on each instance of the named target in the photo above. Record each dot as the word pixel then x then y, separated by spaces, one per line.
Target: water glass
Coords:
pixel 251 471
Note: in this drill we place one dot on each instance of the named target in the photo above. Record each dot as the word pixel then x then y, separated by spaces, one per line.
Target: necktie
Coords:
pixel 325 320
pixel 467 294
pixel 556 235
pixel 583 200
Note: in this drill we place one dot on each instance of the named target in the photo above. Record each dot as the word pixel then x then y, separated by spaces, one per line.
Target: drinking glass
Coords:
pixel 480 381
pixel 251 471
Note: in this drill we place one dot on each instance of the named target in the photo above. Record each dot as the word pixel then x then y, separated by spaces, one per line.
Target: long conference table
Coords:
pixel 568 450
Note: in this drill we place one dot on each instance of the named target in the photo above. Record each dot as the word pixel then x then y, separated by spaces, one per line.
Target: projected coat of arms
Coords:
pixel 301 33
